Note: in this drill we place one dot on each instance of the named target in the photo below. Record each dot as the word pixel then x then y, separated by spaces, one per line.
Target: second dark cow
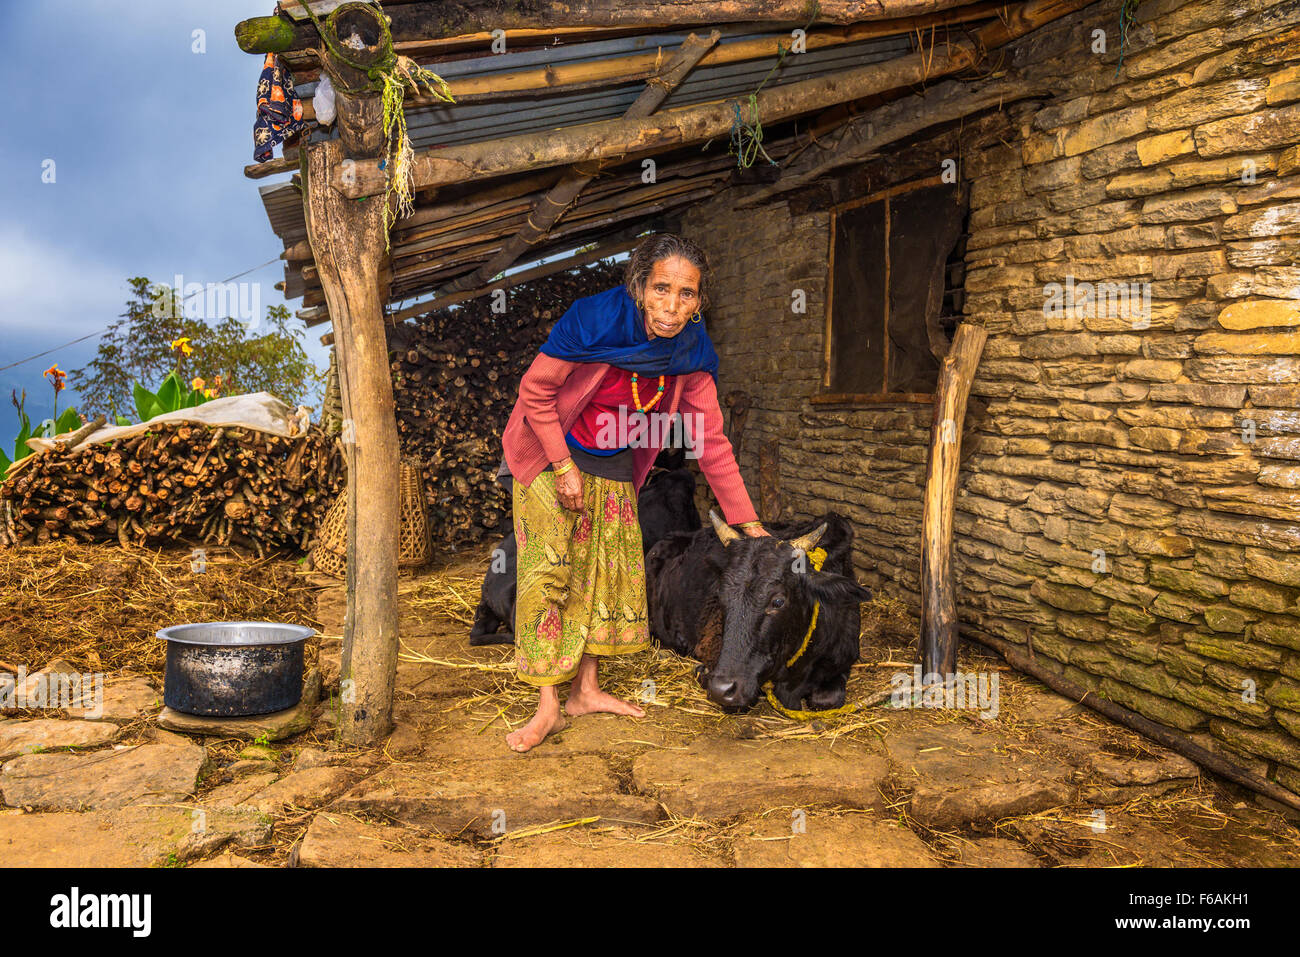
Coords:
pixel 665 504
pixel 743 606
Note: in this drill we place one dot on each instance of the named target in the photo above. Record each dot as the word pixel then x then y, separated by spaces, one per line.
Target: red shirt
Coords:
pixel 553 392
pixel 613 398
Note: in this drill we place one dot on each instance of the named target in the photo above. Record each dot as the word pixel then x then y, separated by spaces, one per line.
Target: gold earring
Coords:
pixel 697 316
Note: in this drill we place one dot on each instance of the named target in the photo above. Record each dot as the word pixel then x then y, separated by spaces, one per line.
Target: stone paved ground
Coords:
pixel 1045 783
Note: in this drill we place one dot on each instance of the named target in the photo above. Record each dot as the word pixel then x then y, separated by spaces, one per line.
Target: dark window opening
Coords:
pixel 896 292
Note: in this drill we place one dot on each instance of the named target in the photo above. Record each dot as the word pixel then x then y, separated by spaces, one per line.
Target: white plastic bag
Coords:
pixel 323 100
pixel 258 410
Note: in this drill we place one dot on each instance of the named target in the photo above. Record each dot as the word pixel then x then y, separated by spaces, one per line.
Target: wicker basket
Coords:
pixel 329 553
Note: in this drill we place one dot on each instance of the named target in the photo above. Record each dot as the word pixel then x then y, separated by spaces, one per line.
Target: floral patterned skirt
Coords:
pixel 581 577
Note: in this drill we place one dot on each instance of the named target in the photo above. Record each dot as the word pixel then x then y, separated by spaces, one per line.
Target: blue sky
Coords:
pixel 149 140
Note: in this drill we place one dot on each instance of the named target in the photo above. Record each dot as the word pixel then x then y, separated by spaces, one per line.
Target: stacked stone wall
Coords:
pixel 1129 502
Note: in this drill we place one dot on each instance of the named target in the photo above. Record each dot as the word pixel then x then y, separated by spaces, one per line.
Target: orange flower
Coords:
pixel 56 377
pixel 197 383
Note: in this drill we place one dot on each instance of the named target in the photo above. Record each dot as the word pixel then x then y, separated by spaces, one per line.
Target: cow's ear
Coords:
pixel 827 587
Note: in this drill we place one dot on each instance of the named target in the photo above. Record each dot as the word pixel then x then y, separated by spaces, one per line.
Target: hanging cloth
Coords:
pixel 279 110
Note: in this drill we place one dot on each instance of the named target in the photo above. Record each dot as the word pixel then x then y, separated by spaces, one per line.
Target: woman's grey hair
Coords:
pixel 661 246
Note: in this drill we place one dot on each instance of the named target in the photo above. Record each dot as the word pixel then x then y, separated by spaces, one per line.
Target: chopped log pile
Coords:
pixel 456 376
pixel 179 481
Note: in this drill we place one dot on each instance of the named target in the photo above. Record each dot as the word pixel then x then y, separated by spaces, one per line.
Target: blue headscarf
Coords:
pixel 608 327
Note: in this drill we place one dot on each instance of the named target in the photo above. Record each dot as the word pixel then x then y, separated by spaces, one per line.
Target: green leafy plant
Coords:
pixel 173 394
pixel 66 422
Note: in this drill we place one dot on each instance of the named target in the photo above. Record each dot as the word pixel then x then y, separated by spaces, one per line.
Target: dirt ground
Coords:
pixel 1028 780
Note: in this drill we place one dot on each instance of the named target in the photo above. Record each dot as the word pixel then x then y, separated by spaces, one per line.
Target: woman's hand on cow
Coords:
pixel 568 487
pixel 757 531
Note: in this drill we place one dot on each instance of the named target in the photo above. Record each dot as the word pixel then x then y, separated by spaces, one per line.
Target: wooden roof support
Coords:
pixel 348 242
pixel 938 594
pixel 428 21
pixel 561 196
pixel 892 122
pixel 629 68
pixel 695 124
pixel 604 251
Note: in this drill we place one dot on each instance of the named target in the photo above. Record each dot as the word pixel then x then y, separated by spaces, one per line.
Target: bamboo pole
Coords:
pixel 562 195
pixel 575 77
pixel 1170 738
pixel 695 124
pixel 891 123
pixel 938 599
pixel 430 21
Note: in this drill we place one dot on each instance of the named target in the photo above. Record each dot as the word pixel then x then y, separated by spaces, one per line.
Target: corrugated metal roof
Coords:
pixel 440 125
pixel 448 124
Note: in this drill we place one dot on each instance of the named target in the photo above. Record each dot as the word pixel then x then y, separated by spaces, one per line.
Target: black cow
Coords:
pixel 665 504
pixel 742 606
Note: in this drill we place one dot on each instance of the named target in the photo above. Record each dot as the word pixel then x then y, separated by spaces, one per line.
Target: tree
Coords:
pixel 138 348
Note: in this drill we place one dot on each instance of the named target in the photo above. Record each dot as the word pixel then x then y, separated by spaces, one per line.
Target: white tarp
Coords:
pixel 258 410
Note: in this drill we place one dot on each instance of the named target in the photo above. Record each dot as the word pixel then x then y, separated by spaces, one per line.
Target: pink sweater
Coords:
pixel 553 392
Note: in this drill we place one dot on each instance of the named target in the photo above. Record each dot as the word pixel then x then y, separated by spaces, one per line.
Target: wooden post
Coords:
pixel 347 238
pixel 938 600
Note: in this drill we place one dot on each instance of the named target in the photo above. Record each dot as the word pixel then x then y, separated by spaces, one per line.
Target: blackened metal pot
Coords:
pixel 233 668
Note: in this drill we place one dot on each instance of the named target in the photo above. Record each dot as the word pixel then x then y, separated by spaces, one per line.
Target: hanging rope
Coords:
pixel 1127 13
pixel 747 138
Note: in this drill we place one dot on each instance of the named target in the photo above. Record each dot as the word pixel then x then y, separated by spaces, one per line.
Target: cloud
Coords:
pixel 54 290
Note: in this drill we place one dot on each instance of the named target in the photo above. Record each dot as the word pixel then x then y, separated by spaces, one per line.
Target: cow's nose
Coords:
pixel 724 692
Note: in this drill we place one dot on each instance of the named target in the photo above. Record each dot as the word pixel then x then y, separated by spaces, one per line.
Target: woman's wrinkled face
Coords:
pixel 672 294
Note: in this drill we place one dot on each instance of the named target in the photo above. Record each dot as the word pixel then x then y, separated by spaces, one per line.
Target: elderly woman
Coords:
pixel 577 451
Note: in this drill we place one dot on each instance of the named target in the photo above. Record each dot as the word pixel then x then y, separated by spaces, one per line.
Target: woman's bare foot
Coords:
pixel 585 696
pixel 547 721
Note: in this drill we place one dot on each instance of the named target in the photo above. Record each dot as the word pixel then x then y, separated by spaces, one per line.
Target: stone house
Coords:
pixel 1127 499
pixel 1108 192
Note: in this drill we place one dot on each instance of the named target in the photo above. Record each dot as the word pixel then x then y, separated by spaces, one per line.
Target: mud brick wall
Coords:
pixel 1130 499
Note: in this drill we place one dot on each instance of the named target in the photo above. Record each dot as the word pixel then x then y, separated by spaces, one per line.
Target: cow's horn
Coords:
pixel 725 531
pixel 807 542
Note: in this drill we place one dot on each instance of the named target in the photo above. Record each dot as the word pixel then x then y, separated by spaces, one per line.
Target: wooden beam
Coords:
pixel 562 195
pixel 894 121
pixel 405 275
pixel 1171 738
pixel 348 240
pixel 695 124
pixel 360 115
pixel 273 167
pixel 506 282
pixel 574 77
pixel 938 599
pixel 298 252
pixel 428 21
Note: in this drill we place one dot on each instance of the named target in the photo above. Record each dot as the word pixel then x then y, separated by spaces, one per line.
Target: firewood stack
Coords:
pixel 455 379
pixel 181 481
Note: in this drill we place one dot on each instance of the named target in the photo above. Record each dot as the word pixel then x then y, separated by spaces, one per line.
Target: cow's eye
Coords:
pixel 778 602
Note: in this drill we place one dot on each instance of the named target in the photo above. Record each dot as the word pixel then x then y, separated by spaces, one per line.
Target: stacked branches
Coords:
pixel 180 481
pixel 456 377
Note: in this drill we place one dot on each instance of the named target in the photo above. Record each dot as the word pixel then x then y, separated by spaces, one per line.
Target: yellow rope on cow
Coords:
pixel 817 556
